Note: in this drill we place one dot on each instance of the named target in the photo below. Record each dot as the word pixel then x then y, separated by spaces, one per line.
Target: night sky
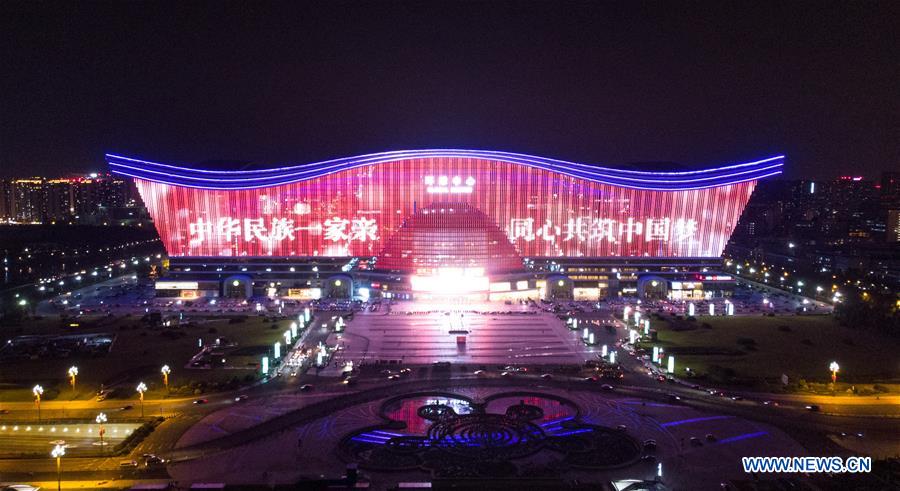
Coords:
pixel 695 83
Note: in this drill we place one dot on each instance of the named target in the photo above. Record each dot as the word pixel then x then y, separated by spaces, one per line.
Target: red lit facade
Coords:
pixel 357 212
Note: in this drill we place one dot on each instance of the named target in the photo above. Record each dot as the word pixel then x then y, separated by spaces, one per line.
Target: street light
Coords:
pixel 165 373
pixel 141 388
pixel 57 453
pixel 37 391
pixel 101 418
pixel 73 372
pixel 834 367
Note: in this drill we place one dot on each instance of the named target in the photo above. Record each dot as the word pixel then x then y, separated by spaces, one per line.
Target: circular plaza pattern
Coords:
pixel 452 435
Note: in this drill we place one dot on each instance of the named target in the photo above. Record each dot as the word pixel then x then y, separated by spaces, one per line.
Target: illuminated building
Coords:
pixel 420 221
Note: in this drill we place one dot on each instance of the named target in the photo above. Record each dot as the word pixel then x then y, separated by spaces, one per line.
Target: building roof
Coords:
pixel 213 178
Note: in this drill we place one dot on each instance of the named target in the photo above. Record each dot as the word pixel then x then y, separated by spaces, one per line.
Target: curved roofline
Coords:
pixel 253 179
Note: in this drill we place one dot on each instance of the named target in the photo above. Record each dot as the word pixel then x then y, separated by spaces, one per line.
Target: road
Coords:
pixel 838 413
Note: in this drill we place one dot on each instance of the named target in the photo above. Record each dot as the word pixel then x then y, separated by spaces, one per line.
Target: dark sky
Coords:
pixel 690 82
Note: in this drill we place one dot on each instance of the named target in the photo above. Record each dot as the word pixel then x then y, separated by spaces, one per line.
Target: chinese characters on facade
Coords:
pixel 584 228
pixel 228 229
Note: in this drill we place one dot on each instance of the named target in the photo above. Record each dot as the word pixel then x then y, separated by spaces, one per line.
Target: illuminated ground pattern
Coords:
pixel 452 435
pixel 322 445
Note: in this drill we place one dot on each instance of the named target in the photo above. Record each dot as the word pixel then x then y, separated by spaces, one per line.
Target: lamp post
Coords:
pixel 101 418
pixel 165 373
pixel 37 391
pixel 57 453
pixel 73 372
pixel 141 388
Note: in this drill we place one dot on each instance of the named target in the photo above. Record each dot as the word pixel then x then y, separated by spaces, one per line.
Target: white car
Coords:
pixel 20 487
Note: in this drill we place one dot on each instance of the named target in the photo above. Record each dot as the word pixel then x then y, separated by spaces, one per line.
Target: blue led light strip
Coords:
pixel 661 181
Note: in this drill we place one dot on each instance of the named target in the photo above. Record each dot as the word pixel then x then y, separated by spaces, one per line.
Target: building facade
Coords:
pixel 448 222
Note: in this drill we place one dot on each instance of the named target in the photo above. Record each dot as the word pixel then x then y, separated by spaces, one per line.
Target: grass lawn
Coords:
pixel 803 349
pixel 137 354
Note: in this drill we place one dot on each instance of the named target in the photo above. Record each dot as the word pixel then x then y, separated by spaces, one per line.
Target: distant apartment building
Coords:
pixel 94 199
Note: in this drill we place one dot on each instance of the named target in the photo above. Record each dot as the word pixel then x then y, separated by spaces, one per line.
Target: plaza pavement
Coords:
pixel 495 337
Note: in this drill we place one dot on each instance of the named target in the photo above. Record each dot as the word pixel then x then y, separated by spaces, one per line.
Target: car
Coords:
pixel 153 461
pixel 4 411
pixel 505 374
pixel 478 372
pixel 126 407
pixel 710 437
pixel 737 398
pixel 621 428
pixel 696 442
pixel 606 387
pixel 200 401
pixel 770 403
pixel 404 371
pixel 241 398
pixel 128 464
pixel 673 398
pixel 350 381
pixel 648 458
pixel 393 376
pixel 20 487
pixel 590 379
pixel 812 408
pixel 546 376
pixel 649 445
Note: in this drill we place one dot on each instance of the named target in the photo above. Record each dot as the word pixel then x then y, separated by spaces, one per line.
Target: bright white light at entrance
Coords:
pixel 452 281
